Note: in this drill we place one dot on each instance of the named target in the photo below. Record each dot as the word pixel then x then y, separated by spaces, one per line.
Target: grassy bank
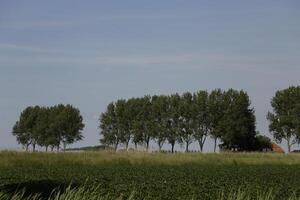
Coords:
pixel 153 176
pixel 10 158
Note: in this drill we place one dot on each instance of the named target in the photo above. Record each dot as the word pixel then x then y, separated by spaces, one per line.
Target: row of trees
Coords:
pixel 222 115
pixel 49 127
pixel 285 118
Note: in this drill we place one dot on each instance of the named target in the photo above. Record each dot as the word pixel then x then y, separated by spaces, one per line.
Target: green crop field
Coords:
pixel 105 175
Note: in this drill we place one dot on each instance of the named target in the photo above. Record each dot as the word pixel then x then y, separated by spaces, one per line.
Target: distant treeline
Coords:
pixel 224 116
pixel 49 126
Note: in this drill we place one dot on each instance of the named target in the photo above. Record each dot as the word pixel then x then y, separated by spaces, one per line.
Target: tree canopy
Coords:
pixel 285 118
pixel 49 126
pixel 226 116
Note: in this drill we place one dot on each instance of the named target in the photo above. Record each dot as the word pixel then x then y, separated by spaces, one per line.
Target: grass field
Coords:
pixel 136 175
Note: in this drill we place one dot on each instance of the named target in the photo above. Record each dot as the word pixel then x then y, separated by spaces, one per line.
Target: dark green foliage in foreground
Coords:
pixel 157 181
pixel 88 192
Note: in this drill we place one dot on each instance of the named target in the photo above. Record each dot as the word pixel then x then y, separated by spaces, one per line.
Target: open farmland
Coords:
pixel 152 176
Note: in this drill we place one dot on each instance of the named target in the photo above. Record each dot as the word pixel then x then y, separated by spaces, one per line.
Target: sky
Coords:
pixel 89 53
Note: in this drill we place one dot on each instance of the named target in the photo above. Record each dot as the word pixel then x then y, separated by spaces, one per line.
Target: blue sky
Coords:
pixel 88 53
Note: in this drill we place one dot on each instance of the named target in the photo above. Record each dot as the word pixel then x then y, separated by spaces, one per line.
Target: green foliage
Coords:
pixel 26 129
pixel 172 118
pixel 285 119
pixel 108 125
pixel 49 126
pixel 155 176
pixel 262 142
pixel 223 115
pixel 202 117
pixel 186 119
pixel 238 122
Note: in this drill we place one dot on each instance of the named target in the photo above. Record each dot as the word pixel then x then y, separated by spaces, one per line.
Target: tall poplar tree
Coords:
pixel 186 119
pixel 216 111
pixel 285 118
pixel 202 118
pixel 238 122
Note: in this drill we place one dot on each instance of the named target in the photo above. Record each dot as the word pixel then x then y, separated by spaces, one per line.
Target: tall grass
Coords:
pixel 71 193
pixel 241 194
pixel 10 159
pixel 91 193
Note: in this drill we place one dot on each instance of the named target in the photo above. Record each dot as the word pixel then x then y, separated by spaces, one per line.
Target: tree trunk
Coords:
pixel 47 148
pixel 127 143
pixel 160 145
pixel 172 144
pixel 57 148
pixel 116 146
pixel 33 147
pixel 147 145
pixel 65 146
pixel 52 147
pixel 135 146
pixel 215 145
pixel 289 145
pixel 201 144
pixel 187 147
pixel 27 146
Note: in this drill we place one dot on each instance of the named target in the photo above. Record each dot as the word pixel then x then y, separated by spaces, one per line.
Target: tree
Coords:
pixel 238 122
pixel 46 127
pixel 285 119
pixel 172 120
pixel 159 119
pixel 53 132
pixel 122 121
pixel 25 128
pixel 216 112
pixel 72 125
pixel 22 136
pixel 147 124
pixel 135 123
pixel 186 119
pixel 225 116
pixel 262 142
pixel 42 127
pixel 128 118
pixel 202 118
pixel 66 125
pixel 108 125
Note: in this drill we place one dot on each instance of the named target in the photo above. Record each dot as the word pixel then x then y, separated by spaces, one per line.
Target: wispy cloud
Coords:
pixel 192 60
pixel 26 48
pixel 56 57
pixel 61 23
pixel 23 24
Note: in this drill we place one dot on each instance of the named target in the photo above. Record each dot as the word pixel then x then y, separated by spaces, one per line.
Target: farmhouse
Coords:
pixel 276 148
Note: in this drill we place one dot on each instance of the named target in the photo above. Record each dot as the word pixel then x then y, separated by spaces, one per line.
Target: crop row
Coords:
pixel 158 181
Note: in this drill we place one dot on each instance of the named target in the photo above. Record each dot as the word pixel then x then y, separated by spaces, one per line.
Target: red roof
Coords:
pixel 276 148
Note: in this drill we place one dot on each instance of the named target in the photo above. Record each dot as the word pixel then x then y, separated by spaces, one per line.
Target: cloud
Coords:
pixel 196 60
pixel 61 23
pixel 37 24
pixel 26 48
pixel 38 56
